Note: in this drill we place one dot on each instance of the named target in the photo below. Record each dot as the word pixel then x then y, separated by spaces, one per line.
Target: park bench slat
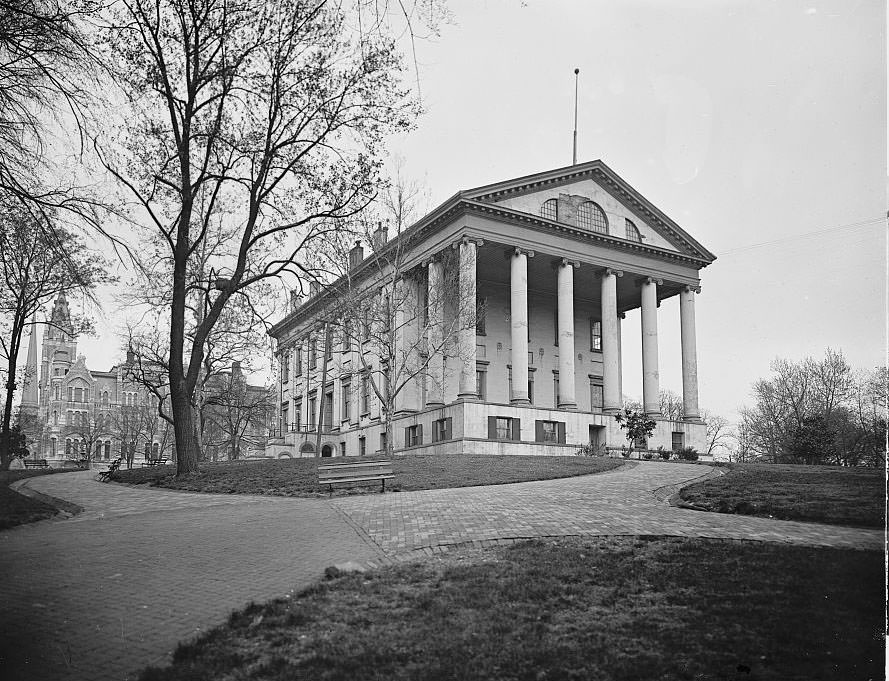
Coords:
pixel 355 472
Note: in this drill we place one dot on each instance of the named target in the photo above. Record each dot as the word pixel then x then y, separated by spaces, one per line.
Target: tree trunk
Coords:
pixel 5 431
pixel 321 389
pixel 187 445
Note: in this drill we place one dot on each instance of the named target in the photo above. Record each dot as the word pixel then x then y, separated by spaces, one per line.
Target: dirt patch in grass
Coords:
pixel 568 609
pixel 824 494
pixel 298 477
pixel 17 509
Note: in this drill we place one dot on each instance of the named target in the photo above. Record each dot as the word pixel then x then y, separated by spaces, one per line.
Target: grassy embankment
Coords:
pixel 568 609
pixel 824 494
pixel 298 477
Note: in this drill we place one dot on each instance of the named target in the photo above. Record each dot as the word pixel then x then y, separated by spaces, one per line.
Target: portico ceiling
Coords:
pixel 493 266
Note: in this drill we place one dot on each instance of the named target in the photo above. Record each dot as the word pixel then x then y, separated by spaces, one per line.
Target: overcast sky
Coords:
pixel 760 127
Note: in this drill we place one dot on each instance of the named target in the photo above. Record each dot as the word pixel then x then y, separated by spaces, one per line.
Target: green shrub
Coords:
pixel 687 454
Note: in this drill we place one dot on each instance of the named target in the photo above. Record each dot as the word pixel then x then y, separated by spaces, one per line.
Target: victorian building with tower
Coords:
pixel 552 261
pixel 71 413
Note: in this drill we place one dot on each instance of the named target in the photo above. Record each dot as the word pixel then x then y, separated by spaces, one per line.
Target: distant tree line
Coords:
pixel 816 412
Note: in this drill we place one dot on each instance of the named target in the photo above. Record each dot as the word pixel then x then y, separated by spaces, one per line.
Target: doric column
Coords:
pixel 435 368
pixel 650 376
pixel 468 252
pixel 610 343
pixel 565 287
pixel 690 409
pixel 518 315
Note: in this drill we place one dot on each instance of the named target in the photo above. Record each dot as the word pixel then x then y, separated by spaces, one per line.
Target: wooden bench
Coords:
pixel 151 463
pixel 36 463
pixel 355 472
pixel 105 476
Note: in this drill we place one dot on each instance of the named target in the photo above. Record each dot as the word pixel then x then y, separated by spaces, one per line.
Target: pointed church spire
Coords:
pixel 61 317
pixel 29 393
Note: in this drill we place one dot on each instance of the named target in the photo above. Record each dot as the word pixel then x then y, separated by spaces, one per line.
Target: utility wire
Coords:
pixel 807 235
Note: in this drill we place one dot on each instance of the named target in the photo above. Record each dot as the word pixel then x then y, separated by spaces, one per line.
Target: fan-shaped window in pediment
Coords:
pixel 633 232
pixel 591 216
pixel 550 209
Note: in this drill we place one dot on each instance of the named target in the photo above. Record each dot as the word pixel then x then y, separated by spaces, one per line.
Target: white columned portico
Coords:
pixel 565 287
pixel 650 375
pixel 610 344
pixel 468 251
pixel 690 408
pixel 435 367
pixel 518 315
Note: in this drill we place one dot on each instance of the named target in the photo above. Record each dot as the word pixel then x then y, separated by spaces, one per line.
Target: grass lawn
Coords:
pixel 298 477
pixel 567 609
pixel 824 494
pixel 17 509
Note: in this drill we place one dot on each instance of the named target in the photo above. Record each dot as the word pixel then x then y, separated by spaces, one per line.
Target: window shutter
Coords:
pixel 516 429
pixel 538 431
pixel 492 427
pixel 448 425
pixel 560 432
pixel 420 434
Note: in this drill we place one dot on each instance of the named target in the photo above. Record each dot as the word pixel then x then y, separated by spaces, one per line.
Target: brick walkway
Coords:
pixel 113 589
pixel 630 500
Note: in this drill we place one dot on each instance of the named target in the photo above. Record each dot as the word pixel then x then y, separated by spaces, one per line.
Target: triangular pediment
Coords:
pixel 567 190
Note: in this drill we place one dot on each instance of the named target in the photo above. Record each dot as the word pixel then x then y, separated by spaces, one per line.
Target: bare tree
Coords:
pixel 38 262
pixel 274 113
pixel 804 397
pixel 238 413
pixel 671 405
pixel 719 432
pixel 91 426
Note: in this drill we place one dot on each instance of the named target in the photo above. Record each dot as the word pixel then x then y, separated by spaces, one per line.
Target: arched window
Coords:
pixel 67 447
pixel 55 418
pixel 550 209
pixel 155 450
pixel 105 399
pixel 78 394
pixel 591 216
pixel 632 232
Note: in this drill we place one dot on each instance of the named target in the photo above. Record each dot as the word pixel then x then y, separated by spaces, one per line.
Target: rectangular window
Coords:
pixel 383 442
pixel 297 415
pixel 678 440
pixel 284 421
pixel 342 448
pixel 312 416
pixel 556 389
pixel 362 446
pixel 329 342
pixel 327 416
pixel 347 401
pixel 298 362
pixel 285 367
pixel 504 428
pixel 595 335
pixel 556 324
pixel 481 304
pixel 441 429
pixel 365 394
pixel 481 380
pixel 313 353
pixel 413 436
pixel 549 431
pixel 597 395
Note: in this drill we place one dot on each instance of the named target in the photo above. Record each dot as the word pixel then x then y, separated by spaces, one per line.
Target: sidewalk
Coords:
pixel 115 588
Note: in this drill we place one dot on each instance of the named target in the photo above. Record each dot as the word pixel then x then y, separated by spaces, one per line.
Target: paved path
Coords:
pixel 113 589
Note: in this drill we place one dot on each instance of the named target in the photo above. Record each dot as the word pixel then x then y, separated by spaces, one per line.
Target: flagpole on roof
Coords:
pixel 574 158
